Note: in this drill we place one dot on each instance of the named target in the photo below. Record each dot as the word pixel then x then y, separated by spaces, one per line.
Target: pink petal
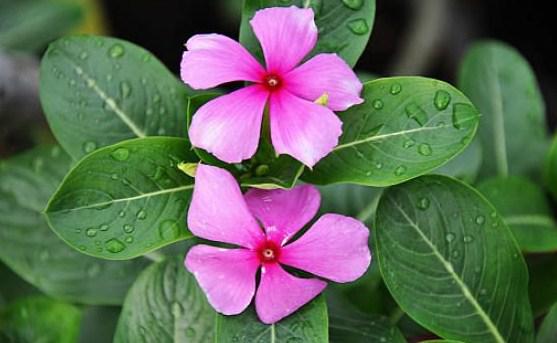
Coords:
pixel 335 247
pixel 286 35
pixel 283 212
pixel 227 276
pixel 214 59
pixel 281 294
pixel 326 73
pixel 229 126
pixel 218 211
pixel 302 129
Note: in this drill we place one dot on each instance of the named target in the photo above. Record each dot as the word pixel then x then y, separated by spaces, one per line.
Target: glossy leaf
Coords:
pixel 525 210
pixel 551 169
pixel 347 325
pixel 344 25
pixel 465 166
pixel 548 330
pixel 40 319
pixel 166 305
pixel 265 170
pixel 29 25
pixel 451 263
pixel 97 91
pixel 500 82
pixel 407 126
pixel 32 250
pixel 308 325
pixel 125 200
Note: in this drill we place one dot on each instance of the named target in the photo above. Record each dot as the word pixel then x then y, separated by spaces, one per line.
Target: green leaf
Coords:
pixel 40 319
pixel 503 86
pixel 97 91
pixel 350 200
pixel 347 325
pixel 166 305
pixel 12 286
pixel 98 324
pixel 407 126
pixel 465 166
pixel 543 282
pixel 33 251
pixel 344 25
pixel 265 170
pixel 451 263
pixel 525 210
pixel 125 200
pixel 29 25
pixel 551 168
pixel 309 325
pixel 548 330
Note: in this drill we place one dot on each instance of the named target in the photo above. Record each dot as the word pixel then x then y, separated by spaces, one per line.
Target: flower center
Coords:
pixel 268 252
pixel 272 82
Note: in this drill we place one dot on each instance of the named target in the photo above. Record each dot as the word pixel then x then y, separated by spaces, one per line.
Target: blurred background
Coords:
pixel 410 37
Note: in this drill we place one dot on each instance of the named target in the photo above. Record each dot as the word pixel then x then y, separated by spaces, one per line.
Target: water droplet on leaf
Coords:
pixel 441 100
pixel 353 4
pixel 114 245
pixel 120 154
pixel 424 149
pixel 358 26
pixel 116 51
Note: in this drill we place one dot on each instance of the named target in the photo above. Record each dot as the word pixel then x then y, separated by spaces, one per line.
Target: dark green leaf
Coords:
pixel 344 25
pixel 348 326
pixel 501 83
pixel 98 91
pixel 551 169
pixel 39 319
pixel 264 170
pixel 125 200
pixel 308 325
pixel 34 252
pixel 451 263
pixel 548 330
pixel 12 286
pixel 465 166
pixel 543 282
pixel 166 305
pixel 525 210
pixel 29 25
pixel 350 200
pixel 98 324
pixel 407 126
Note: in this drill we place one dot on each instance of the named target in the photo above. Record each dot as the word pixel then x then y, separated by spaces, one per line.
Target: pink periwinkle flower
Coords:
pixel 229 126
pixel 262 223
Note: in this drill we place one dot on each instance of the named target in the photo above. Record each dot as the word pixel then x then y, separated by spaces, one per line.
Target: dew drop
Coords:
pixel 396 88
pixel 449 237
pixel 128 228
pixel 129 239
pixel 377 104
pixel 141 214
pixel 125 89
pixel 114 245
pixel 408 143
pixel 82 247
pixel 114 176
pixel 480 220
pixel 89 147
pixel 424 149
pixel 120 154
pixel 423 203
pixel 441 100
pixel 358 26
pixel 400 170
pixel 462 113
pixel 468 239
pixel 91 232
pixel 378 165
pixel 414 111
pixel 169 230
pixel 122 213
pixel 353 4
pixel 116 51
pixel 83 55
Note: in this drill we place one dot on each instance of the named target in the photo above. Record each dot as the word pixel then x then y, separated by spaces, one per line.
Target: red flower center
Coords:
pixel 268 252
pixel 272 82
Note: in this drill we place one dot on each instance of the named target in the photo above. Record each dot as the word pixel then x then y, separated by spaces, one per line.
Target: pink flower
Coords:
pixel 335 247
pixel 229 126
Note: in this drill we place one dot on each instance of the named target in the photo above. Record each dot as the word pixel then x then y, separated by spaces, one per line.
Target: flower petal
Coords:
pixel 335 247
pixel 227 276
pixel 229 126
pixel 286 35
pixel 283 212
pixel 302 129
pixel 281 294
pixel 326 73
pixel 218 211
pixel 214 59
